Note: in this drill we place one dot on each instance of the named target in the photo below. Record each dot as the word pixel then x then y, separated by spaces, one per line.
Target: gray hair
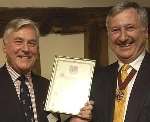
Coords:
pixel 142 13
pixel 16 24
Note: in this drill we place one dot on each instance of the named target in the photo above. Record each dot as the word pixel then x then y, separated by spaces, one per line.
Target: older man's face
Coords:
pixel 127 35
pixel 21 49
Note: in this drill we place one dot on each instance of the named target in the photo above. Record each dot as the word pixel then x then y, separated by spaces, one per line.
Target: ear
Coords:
pixel 4 46
pixel 146 33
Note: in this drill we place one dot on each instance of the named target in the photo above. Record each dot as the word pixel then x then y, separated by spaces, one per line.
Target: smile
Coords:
pixel 124 45
pixel 25 57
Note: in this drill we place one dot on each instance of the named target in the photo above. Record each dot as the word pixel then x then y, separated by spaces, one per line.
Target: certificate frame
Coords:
pixel 70 84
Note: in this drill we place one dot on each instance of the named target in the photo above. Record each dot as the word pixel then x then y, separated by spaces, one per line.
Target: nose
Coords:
pixel 123 35
pixel 25 47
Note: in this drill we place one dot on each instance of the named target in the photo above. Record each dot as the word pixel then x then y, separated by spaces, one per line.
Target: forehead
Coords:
pixel 127 16
pixel 26 27
pixel 24 31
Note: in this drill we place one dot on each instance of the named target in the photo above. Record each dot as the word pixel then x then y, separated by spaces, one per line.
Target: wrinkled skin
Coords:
pixel 127 35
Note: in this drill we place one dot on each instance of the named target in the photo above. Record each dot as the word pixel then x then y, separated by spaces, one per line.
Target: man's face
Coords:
pixel 21 48
pixel 127 35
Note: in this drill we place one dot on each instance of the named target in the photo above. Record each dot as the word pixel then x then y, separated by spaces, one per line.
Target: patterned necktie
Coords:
pixel 124 72
pixel 25 99
pixel 120 103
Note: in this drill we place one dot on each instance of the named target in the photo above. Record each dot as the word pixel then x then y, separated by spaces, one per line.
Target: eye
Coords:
pixel 32 43
pixel 115 30
pixel 18 41
pixel 130 28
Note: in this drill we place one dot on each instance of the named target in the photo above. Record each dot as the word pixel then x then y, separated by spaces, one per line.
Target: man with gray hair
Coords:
pixel 23 93
pixel 121 90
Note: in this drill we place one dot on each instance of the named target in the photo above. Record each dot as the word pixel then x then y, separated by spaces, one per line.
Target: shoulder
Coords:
pixel 40 80
pixel 41 85
pixel 39 77
pixel 104 75
pixel 147 56
pixel 3 68
pixel 102 71
pixel 3 72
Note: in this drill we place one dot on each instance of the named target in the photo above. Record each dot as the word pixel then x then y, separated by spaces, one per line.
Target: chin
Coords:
pixel 124 57
pixel 25 68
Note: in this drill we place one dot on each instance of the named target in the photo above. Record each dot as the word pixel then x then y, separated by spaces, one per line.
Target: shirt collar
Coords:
pixel 14 75
pixel 136 63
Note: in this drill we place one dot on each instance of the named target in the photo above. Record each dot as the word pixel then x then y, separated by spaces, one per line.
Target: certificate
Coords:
pixel 70 85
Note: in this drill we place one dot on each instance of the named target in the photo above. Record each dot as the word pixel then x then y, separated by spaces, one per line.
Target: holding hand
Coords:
pixel 85 114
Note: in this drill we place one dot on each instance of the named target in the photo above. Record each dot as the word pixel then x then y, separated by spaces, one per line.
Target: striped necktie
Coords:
pixel 121 93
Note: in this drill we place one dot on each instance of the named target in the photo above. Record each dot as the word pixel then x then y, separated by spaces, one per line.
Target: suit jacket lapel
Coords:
pixel 10 95
pixel 112 79
pixel 139 91
pixel 9 83
pixel 36 87
pixel 40 86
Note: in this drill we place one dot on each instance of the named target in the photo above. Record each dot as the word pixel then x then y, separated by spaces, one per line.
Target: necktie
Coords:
pixel 121 92
pixel 25 99
pixel 124 72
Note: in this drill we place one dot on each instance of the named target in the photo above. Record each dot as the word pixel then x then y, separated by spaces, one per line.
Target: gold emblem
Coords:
pixel 120 94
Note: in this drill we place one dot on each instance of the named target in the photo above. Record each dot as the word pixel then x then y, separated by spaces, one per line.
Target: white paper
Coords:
pixel 70 85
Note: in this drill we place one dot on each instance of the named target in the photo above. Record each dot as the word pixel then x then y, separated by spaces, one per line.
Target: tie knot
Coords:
pixel 124 72
pixel 125 77
pixel 22 78
pixel 125 67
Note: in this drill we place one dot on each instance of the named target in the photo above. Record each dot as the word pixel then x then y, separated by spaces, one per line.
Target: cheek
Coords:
pixel 141 44
pixel 10 48
pixel 34 51
pixel 114 36
pixel 34 54
pixel 9 51
pixel 112 44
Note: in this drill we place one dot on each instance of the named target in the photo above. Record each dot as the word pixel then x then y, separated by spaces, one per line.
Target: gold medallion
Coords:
pixel 119 94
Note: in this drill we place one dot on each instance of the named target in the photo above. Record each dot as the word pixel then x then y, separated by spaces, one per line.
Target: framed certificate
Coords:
pixel 70 85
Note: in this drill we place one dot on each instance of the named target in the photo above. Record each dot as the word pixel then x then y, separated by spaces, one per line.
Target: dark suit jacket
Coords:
pixel 10 110
pixel 103 93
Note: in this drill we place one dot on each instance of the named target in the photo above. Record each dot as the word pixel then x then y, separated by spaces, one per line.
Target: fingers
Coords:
pixel 88 106
pixel 85 115
pixel 86 111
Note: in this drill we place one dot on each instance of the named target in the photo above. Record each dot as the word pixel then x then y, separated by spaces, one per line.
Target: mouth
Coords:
pixel 126 44
pixel 24 57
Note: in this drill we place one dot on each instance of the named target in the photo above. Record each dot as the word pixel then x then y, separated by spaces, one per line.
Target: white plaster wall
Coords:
pixel 63 45
pixel 111 57
pixel 2 55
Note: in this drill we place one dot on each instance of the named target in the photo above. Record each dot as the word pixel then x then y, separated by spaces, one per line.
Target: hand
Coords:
pixel 85 114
